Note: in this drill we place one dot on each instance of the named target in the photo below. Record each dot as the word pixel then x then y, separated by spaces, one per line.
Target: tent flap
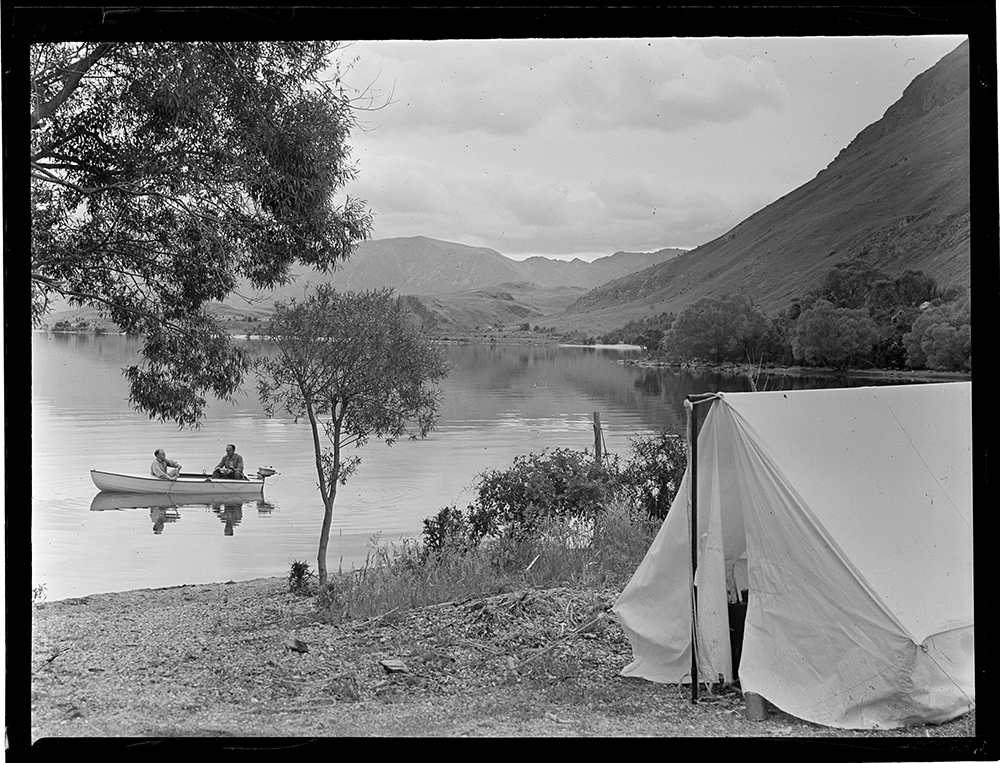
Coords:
pixel 853 510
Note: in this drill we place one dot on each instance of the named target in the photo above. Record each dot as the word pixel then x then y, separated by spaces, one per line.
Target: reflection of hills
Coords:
pixel 540 379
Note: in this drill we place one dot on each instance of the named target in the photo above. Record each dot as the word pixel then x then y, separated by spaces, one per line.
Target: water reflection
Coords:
pixel 230 514
pixel 161 516
pixel 163 509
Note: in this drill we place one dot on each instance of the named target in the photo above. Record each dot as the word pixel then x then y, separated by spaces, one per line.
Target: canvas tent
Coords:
pixel 852 509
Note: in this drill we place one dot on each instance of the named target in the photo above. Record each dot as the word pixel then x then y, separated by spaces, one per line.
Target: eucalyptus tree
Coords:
pixel 355 366
pixel 166 175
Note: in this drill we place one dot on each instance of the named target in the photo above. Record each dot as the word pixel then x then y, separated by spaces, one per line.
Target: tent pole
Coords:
pixel 690 404
pixel 692 412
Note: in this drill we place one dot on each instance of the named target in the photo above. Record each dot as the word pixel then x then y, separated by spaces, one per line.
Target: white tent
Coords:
pixel 853 511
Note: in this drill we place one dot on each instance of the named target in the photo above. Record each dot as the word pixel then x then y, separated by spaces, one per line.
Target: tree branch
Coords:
pixel 74 74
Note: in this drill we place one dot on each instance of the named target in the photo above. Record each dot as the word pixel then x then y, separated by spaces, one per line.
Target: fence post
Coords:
pixel 598 455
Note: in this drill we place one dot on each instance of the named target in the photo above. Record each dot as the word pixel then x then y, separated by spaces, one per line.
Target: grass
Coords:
pixel 399 577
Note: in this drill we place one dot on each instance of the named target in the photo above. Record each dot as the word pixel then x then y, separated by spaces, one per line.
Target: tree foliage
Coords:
pixel 651 476
pixel 163 174
pixel 833 336
pixel 849 284
pixel 941 337
pixel 719 329
pixel 559 483
pixel 354 366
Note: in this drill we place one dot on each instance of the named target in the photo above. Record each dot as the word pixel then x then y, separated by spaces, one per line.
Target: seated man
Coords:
pixel 231 465
pixel 164 468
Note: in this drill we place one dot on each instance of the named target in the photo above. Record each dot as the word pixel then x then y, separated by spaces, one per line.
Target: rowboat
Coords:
pixel 185 485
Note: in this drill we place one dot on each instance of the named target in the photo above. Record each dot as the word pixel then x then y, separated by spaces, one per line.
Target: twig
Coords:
pixel 373 620
pixel 565 638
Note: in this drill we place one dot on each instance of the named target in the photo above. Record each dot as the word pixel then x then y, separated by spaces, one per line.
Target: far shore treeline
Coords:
pixel 858 318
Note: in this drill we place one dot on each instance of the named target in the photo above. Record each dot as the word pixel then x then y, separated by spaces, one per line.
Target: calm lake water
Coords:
pixel 499 401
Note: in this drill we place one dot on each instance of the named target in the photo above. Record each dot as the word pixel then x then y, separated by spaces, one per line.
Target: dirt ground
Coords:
pixel 253 660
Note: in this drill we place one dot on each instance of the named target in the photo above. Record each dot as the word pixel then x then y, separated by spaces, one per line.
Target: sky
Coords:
pixel 583 147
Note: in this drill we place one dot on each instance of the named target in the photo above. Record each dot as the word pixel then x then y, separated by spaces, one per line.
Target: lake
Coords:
pixel 499 401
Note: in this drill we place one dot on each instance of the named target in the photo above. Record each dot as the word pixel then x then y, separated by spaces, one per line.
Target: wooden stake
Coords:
pixel 598 455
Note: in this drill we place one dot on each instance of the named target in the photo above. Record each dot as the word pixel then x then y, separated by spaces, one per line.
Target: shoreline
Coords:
pixel 745 369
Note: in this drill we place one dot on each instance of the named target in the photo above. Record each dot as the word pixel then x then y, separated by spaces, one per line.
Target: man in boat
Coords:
pixel 231 465
pixel 163 467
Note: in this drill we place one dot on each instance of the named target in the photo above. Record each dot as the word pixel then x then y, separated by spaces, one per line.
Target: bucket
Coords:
pixel 756 707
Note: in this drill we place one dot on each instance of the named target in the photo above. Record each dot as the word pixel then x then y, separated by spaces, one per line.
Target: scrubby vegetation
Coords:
pixel 858 317
pixel 554 518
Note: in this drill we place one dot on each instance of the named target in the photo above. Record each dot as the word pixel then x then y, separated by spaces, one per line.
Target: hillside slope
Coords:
pixel 898 195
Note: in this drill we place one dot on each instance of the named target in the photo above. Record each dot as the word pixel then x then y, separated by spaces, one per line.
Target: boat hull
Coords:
pixel 186 484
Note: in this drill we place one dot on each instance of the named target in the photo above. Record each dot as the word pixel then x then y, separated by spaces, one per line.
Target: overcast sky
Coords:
pixel 583 148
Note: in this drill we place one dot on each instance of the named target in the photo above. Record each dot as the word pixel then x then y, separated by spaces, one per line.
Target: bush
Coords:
pixel 561 483
pixel 651 476
pixel 397 577
pixel 300 578
pixel 941 337
pixel 449 528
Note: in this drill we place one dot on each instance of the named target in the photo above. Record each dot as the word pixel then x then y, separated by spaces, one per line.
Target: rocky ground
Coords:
pixel 253 660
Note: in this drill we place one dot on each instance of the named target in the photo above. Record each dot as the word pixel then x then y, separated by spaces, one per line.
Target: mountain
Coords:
pixel 426 267
pixel 507 304
pixel 897 195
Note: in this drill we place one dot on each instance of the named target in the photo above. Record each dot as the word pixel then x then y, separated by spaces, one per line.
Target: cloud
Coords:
pixel 510 87
pixel 593 146
pixel 663 85
pixel 536 203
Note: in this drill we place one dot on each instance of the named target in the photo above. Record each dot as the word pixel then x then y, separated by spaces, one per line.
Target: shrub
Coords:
pixel 398 577
pixel 448 528
pixel 300 578
pixel 561 483
pixel 652 474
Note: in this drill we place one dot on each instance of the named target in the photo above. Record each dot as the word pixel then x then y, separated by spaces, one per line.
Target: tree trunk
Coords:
pixel 328 489
pixel 324 533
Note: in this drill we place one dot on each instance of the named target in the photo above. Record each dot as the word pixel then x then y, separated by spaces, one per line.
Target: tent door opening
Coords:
pixel 737 621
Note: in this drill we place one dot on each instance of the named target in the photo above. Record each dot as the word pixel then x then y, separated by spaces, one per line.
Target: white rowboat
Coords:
pixel 185 484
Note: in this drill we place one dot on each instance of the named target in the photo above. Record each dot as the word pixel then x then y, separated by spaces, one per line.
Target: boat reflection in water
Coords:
pixel 164 509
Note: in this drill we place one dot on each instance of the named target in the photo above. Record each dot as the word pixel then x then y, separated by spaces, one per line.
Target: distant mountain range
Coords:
pixel 479 285
pixel 897 195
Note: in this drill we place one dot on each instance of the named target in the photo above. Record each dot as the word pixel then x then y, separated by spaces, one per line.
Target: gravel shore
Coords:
pixel 251 659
